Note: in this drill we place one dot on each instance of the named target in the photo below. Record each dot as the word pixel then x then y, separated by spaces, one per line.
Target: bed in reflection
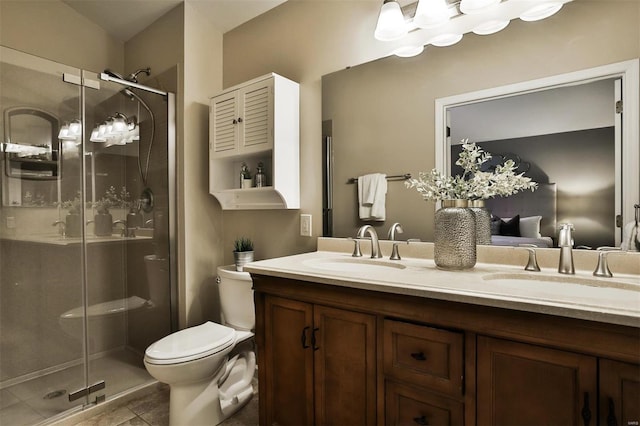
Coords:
pixel 524 218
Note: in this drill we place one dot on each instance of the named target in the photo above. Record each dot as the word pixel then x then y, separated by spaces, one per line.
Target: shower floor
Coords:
pixel 38 399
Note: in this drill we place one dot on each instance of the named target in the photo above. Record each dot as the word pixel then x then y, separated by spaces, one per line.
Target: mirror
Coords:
pixel 32 153
pixel 31 144
pixel 380 118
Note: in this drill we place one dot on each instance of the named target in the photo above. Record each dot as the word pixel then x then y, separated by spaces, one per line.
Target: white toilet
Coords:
pixel 210 367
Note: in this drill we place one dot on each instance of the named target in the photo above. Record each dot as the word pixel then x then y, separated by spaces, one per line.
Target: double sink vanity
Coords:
pixel 360 340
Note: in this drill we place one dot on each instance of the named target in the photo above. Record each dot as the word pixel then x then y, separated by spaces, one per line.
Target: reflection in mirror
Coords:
pixel 31 143
pixel 389 130
pixel 31 153
pixel 565 141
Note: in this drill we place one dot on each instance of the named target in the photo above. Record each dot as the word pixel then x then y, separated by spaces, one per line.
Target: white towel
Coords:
pixel 372 191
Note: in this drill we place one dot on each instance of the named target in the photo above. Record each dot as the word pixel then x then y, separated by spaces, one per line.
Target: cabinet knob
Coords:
pixel 422 420
pixel 239 119
pixel 419 356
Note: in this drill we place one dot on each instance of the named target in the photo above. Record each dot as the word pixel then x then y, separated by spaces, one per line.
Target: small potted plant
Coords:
pixel 243 252
pixel 103 220
pixel 73 220
pixel 245 177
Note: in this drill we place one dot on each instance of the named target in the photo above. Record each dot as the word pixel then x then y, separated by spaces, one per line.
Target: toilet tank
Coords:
pixel 236 298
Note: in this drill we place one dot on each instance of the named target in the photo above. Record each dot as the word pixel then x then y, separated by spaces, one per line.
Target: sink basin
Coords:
pixel 353 265
pixel 532 279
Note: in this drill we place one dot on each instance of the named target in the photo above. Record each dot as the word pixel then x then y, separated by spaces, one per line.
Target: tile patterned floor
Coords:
pixel 153 410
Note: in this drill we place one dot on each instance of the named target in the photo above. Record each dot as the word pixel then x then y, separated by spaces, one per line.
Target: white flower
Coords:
pixel 473 184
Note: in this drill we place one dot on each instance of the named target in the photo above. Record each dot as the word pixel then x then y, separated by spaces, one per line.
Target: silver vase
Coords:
pixel 483 221
pixel 455 236
pixel 241 258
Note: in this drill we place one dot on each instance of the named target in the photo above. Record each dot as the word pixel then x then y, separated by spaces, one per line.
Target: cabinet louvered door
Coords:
pixel 224 124
pixel 257 117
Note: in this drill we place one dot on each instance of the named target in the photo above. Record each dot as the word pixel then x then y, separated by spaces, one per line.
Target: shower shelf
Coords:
pixel 251 123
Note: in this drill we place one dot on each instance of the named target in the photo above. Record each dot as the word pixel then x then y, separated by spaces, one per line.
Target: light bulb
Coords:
pixel 431 14
pixel 491 27
pixel 541 11
pixel 444 40
pixel 408 51
pixel 391 24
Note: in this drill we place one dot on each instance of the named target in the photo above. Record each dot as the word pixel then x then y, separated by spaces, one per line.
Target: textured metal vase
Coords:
pixel 241 258
pixel 483 221
pixel 455 236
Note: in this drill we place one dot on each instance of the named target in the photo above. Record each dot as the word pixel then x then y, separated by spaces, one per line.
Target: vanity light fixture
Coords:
pixel 444 22
pixel 116 130
pixel 432 13
pixel 391 24
pixel 70 131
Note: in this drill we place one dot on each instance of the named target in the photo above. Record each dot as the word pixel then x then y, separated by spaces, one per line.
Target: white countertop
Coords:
pixel 609 300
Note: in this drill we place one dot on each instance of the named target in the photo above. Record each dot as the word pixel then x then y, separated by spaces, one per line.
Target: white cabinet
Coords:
pixel 256 122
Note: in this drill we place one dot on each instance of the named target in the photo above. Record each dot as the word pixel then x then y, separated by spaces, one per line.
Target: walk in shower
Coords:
pixel 87 223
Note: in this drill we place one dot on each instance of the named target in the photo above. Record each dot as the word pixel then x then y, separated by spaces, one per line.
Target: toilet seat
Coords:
pixel 190 344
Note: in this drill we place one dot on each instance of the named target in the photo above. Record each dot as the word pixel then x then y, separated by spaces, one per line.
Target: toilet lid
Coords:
pixel 191 343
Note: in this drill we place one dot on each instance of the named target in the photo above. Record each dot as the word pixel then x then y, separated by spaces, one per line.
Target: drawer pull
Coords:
pixel 303 338
pixel 422 420
pixel 418 356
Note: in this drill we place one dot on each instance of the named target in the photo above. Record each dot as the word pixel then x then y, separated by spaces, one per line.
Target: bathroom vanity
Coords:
pixel 356 341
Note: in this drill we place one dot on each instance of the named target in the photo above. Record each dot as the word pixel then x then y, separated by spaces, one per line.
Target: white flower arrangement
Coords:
pixel 474 184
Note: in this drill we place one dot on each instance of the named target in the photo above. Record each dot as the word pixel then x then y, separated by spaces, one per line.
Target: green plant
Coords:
pixel 111 199
pixel 474 184
pixel 73 206
pixel 243 244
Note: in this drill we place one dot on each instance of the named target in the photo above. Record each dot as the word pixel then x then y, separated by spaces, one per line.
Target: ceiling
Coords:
pixel 123 19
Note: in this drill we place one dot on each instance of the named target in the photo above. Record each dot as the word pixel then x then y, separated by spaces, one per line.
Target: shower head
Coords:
pixel 134 75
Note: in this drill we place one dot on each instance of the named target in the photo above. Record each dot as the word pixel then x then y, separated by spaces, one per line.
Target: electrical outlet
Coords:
pixel 11 222
pixel 305 225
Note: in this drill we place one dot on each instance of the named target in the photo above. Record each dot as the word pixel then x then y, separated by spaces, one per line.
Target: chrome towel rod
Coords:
pixel 394 177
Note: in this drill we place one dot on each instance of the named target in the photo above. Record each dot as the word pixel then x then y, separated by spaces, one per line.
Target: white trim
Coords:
pixel 628 71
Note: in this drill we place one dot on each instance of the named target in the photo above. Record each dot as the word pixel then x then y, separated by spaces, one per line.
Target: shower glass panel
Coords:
pixel 40 270
pixel 86 280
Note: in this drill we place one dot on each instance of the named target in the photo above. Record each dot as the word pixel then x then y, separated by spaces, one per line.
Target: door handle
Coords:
pixel 313 339
pixel 303 338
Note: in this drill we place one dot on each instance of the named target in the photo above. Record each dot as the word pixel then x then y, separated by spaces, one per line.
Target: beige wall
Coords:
pixel 201 222
pixel 52 30
pixel 304 40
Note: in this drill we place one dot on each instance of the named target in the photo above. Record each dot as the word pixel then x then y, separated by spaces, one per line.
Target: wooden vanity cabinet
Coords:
pixel 319 364
pixel 531 385
pixel 338 355
pixel 619 393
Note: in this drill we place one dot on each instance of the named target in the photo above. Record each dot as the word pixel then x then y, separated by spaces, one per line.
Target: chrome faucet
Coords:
pixel 61 227
pixel 565 242
pixel 532 263
pixel 124 226
pixel 375 244
pixel 392 231
pixel 602 269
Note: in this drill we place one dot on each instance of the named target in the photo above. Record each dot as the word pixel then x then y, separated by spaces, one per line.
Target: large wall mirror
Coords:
pixel 563 131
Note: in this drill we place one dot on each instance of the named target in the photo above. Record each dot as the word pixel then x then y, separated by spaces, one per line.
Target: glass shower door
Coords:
pixel 42 343
pixel 128 282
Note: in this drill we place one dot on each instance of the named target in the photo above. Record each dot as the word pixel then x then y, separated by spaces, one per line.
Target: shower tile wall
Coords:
pixel 42 281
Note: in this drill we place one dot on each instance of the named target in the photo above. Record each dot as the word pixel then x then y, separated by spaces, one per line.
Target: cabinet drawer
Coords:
pixel 424 356
pixel 407 406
